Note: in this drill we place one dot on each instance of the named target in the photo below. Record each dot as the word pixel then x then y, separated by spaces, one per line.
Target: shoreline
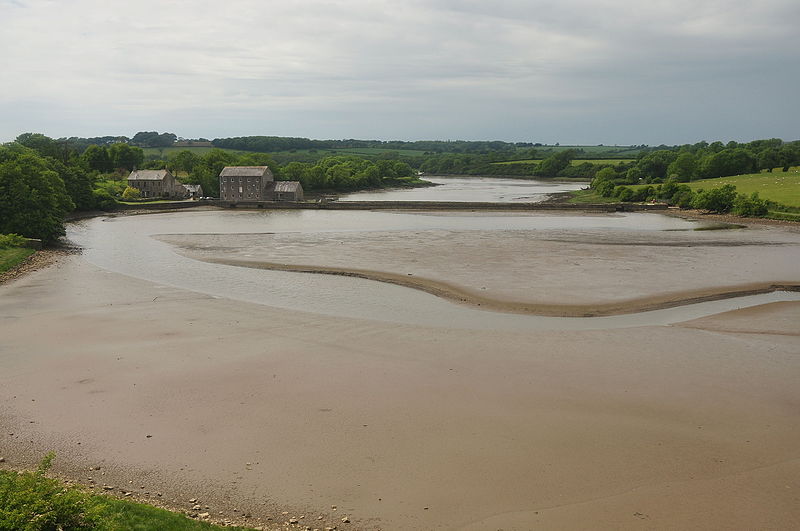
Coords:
pixel 464 296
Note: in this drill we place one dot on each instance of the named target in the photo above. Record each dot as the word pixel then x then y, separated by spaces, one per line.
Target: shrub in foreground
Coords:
pixel 30 501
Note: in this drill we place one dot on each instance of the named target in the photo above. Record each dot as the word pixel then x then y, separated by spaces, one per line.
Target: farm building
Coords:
pixel 192 191
pixel 256 183
pixel 244 183
pixel 285 191
pixel 155 183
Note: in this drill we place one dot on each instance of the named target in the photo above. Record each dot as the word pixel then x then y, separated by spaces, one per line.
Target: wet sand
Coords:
pixel 548 272
pixel 266 410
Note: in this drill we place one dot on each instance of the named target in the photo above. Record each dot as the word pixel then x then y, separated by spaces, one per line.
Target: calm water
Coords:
pixel 489 189
pixel 125 245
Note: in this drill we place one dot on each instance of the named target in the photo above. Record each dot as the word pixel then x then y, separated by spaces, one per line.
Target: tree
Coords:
pixel 125 156
pixel 98 159
pixel 683 169
pixel 552 165
pixel 33 198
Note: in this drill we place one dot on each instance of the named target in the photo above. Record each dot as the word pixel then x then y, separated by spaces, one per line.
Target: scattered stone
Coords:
pixel 204 515
pixel 333 507
pixel 196 507
pixel 128 493
pixel 159 494
pixel 319 517
pixel 108 487
pixel 293 520
pixel 193 500
pixel 345 520
pixel 148 436
pixel 2 459
pixel 284 513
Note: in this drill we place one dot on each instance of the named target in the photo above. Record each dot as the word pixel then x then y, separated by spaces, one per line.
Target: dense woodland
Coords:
pixel 43 179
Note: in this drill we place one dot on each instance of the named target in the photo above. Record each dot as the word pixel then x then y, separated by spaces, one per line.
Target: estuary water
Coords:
pixel 490 189
pixel 127 245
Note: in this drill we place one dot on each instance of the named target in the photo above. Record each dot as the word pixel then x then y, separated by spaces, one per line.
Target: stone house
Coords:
pixel 256 183
pixel 155 184
pixel 244 183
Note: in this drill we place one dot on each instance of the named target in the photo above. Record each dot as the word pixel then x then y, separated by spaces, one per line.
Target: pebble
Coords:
pixel 345 520
pixel 193 500
pixel 2 459
pixel 196 507
pixel 293 520
pixel 204 515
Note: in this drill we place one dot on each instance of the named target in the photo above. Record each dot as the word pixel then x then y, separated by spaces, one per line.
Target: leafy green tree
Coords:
pixel 97 158
pixel 684 168
pixel 33 198
pixel 555 163
pixel 125 157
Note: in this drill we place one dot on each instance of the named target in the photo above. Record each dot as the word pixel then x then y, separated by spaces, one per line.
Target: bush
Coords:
pixel 29 501
pixel 103 200
pixel 716 200
pixel 11 240
pixel 131 193
pixel 752 206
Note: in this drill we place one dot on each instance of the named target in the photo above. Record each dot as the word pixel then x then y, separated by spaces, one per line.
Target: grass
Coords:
pixel 34 502
pixel 589 196
pixel 778 186
pixel 12 256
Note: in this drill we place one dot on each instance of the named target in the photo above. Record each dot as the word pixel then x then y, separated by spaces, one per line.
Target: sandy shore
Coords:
pixel 400 427
pixel 266 414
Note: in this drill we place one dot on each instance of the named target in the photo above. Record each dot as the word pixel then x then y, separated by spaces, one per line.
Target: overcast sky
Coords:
pixel 568 71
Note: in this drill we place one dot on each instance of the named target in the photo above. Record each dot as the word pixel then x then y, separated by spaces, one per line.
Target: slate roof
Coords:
pixel 148 175
pixel 286 186
pixel 195 188
pixel 244 171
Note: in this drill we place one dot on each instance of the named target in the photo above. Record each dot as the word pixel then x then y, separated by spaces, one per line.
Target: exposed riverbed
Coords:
pixel 268 391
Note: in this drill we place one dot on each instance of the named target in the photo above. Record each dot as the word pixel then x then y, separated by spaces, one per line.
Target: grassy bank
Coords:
pixel 12 257
pixel 779 186
pixel 34 502
pixel 588 196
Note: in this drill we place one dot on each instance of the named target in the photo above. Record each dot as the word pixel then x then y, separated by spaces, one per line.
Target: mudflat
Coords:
pixel 258 411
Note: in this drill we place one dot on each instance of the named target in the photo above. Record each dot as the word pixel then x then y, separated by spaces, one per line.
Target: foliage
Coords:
pixel 11 240
pixel 33 198
pixel 718 200
pixel 752 206
pixel 30 501
pixel 125 156
pixel 153 139
pixel 131 193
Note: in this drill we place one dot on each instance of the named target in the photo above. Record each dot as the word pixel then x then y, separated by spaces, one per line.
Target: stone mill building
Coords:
pixel 255 183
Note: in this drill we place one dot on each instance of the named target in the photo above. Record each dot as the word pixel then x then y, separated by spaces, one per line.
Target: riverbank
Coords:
pixel 260 411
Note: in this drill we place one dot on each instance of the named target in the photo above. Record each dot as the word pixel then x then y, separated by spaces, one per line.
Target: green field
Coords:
pixel 13 256
pixel 589 197
pixel 778 186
